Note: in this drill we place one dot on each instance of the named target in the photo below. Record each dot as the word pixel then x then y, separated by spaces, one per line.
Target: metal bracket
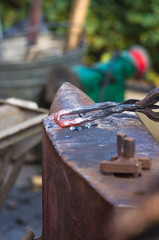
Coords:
pixel 125 162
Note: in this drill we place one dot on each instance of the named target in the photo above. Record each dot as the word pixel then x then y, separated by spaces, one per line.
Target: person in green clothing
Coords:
pixel 106 81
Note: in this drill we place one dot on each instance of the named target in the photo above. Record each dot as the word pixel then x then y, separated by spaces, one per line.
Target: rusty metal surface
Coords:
pixel 83 152
pixel 68 96
pixel 72 177
pixel 72 209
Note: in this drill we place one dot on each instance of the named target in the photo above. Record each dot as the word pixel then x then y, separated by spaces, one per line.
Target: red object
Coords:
pixel 141 60
pixel 67 122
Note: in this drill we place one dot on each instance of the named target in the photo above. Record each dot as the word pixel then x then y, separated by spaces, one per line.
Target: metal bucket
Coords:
pixel 26 80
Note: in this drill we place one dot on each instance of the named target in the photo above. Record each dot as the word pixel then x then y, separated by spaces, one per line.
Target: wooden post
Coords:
pixel 77 18
pixel 34 21
pixel 1 44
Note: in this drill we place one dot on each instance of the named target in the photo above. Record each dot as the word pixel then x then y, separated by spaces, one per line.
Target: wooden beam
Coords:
pixel 77 18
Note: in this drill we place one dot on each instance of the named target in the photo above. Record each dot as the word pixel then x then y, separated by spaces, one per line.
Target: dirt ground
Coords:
pixel 23 208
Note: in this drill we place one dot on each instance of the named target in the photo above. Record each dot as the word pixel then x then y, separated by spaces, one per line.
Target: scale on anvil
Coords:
pixel 79 202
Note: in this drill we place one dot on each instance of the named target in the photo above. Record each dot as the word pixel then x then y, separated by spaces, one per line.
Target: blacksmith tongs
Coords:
pixel 105 109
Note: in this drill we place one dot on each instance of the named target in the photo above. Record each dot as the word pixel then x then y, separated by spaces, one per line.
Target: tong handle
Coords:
pixel 150 114
pixel 144 105
pixel 151 98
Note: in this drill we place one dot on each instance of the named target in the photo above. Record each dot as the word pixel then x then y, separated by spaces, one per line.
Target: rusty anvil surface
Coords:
pixel 76 156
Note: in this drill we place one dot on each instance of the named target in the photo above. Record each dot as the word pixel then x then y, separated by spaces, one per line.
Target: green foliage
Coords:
pixel 153 77
pixel 57 11
pixel 12 11
pixel 120 24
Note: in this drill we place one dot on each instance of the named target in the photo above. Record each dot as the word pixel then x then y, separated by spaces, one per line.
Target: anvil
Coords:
pixel 79 202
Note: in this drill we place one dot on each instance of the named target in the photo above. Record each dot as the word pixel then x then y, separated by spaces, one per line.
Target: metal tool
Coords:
pixel 126 162
pixel 105 109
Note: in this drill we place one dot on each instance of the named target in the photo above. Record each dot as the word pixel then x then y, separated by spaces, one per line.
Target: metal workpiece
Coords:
pixel 126 162
pixel 78 201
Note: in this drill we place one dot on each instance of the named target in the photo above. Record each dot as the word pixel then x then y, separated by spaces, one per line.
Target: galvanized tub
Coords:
pixel 26 79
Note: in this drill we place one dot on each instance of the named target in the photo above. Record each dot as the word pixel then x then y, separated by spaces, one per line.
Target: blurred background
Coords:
pixel 104 26
pixel 109 25
pixel 107 48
